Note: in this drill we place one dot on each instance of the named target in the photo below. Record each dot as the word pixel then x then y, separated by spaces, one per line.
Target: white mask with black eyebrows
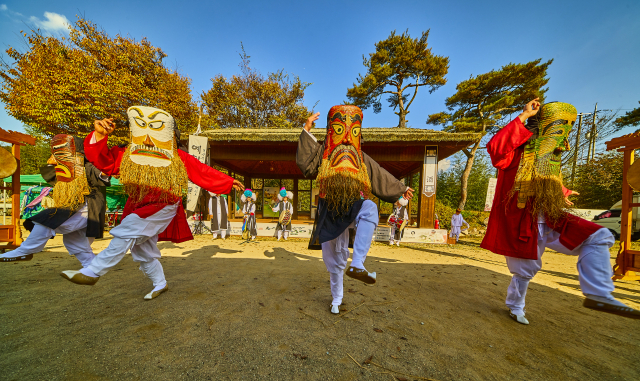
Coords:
pixel 152 136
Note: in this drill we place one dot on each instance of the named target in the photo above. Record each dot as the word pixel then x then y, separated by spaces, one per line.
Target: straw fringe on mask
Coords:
pixel 341 188
pixel 140 180
pixel 70 195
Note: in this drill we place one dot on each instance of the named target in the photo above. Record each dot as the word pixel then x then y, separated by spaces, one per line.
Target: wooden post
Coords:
pixel 15 197
pixel 626 216
pixel 294 202
pixel 427 191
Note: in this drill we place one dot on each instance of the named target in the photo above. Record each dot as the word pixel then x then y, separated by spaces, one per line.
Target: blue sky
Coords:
pixel 595 44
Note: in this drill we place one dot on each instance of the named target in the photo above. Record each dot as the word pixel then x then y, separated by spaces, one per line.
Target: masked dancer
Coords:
pixel 285 208
pixel 218 214
pixel 80 204
pixel 529 210
pixel 346 177
pixel 154 173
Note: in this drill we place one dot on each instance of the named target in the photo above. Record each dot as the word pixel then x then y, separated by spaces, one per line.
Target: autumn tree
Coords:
pixel 399 67
pixel 631 118
pixel 482 103
pixel 599 181
pixel 61 85
pixel 253 101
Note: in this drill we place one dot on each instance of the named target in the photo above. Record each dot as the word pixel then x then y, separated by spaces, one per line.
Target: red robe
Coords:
pixel 513 231
pixel 108 161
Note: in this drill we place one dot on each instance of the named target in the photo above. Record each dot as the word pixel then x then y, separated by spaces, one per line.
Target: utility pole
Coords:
pixel 577 149
pixel 593 133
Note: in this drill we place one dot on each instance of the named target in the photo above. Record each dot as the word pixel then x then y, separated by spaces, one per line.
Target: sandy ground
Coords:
pixel 261 311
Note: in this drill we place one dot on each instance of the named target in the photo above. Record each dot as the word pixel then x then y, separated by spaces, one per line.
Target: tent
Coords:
pixel 116 198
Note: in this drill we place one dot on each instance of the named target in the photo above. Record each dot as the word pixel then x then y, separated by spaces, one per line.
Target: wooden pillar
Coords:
pixel 296 196
pixel 622 260
pixel 427 192
pixel 15 198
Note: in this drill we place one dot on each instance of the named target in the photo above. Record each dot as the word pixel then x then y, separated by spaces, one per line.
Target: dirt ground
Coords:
pixel 260 311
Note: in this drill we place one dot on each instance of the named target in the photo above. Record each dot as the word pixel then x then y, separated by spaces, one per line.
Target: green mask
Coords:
pixel 542 155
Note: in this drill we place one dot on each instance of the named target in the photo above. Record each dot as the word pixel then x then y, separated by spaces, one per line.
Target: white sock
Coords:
pixel 87 272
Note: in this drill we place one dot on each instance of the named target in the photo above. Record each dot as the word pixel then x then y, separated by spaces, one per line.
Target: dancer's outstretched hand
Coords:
pixel 310 120
pixel 408 194
pixel 566 199
pixel 530 109
pixel 103 128
pixel 237 185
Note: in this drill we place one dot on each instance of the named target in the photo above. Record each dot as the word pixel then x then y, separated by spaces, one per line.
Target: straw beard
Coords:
pixel 544 188
pixel 169 183
pixel 70 195
pixel 341 187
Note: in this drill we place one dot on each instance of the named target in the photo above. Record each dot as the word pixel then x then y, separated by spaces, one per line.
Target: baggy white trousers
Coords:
pixel 335 253
pixel 594 266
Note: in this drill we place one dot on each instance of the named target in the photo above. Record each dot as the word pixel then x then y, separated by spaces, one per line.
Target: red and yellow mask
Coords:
pixel 342 145
pixel 69 163
pixel 343 177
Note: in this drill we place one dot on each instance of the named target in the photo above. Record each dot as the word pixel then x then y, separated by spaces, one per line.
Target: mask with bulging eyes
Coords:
pixel 152 136
pixel 342 148
pixel 69 163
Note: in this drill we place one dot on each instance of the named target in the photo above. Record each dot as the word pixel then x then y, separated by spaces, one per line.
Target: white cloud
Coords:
pixel 444 165
pixel 3 7
pixel 54 22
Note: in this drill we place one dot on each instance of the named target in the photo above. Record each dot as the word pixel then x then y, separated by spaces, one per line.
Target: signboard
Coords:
pixel 413 235
pixel 430 172
pixel 199 148
pixel 268 229
pixel 491 192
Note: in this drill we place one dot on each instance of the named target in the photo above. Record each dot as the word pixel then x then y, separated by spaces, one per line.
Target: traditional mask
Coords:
pixel 539 172
pixel 342 146
pixel 69 163
pixel 343 177
pixel 152 136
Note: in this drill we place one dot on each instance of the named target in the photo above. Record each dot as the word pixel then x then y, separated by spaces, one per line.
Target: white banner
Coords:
pixel 491 192
pixel 199 148
pixel 413 235
pixel 429 172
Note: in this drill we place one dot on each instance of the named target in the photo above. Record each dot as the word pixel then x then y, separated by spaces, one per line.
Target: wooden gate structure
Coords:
pixel 12 233
pixel 628 260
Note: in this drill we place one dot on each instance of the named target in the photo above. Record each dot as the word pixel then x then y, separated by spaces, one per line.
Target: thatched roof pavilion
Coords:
pixel 270 153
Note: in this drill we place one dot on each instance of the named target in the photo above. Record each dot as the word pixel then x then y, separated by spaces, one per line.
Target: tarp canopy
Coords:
pixel 116 198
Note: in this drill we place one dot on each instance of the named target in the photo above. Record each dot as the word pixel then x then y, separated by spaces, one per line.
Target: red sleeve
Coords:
pixel 105 159
pixel 206 177
pixel 566 192
pixel 502 146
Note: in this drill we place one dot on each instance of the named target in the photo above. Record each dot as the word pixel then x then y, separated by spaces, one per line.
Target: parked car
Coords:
pixel 611 219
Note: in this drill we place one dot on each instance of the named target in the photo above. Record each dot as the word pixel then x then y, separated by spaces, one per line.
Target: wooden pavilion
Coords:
pixel 267 156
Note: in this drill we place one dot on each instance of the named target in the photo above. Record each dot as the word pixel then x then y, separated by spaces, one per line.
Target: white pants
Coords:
pixel 74 238
pixel 140 235
pixel 594 266
pixel 286 234
pixel 335 253
pixel 223 233
pixel 455 232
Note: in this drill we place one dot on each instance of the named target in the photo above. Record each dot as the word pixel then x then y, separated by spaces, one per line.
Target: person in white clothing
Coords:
pixel 456 223
pixel 249 226
pixel 285 207
pixel 398 220
pixel 218 214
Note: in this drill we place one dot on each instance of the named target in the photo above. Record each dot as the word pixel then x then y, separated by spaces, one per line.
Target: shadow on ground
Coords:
pixel 267 319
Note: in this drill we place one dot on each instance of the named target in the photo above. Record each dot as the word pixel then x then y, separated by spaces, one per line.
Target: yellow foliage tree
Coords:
pixel 61 85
